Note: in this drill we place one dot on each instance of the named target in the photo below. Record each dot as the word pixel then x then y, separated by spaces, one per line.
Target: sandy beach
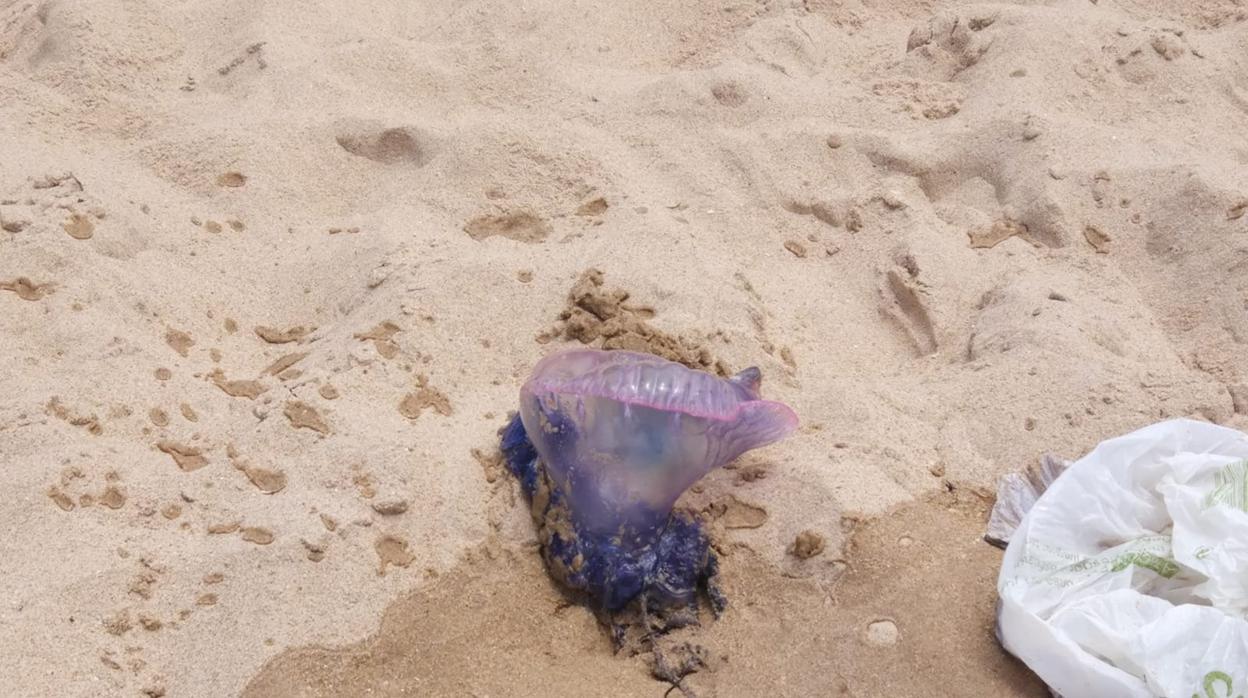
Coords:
pixel 273 273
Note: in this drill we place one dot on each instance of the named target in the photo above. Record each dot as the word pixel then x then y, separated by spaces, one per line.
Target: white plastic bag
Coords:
pixel 1129 575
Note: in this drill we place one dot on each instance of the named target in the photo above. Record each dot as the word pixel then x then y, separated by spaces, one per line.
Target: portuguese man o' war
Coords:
pixel 604 444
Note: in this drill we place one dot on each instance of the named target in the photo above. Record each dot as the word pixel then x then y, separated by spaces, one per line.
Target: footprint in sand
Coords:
pixel 284 362
pixel 26 289
pixel 1097 238
pixel 150 623
pixel 363 483
pixel 257 535
pixel 143 585
pixel 382 338
pixel 386 145
pixel 394 551
pixel 730 93
pixel 187 458
pixel 734 513
pixel 425 397
pixel 316 551
pixel 593 208
pixel 491 463
pixel 42 202
pixel 881 633
pixel 252 51
pixel 903 300
pixel 328 391
pixel 112 496
pixel 266 480
pixel 224 527
pixel 232 180
pixel 118 624
pixel 282 336
pixel 949 42
pixel 304 416
pixel 391 507
pixel 795 248
pixel 179 341
pixel 62 500
pixel 79 227
pixel 837 215
pixel 808 544
pixel 987 237
pixel 248 389
pixel 89 422
pixel 520 225
pixel 12 221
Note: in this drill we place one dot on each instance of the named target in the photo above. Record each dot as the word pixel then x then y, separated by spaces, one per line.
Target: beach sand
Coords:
pixel 272 274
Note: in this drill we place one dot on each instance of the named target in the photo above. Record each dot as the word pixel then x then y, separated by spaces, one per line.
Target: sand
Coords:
pixel 271 276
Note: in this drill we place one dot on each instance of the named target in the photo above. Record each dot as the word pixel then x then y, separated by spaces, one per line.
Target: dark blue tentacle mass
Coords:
pixel 666 566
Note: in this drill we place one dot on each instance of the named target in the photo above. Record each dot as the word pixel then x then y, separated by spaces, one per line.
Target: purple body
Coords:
pixel 623 434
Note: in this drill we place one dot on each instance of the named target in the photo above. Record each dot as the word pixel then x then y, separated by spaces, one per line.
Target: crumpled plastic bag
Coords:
pixel 1128 576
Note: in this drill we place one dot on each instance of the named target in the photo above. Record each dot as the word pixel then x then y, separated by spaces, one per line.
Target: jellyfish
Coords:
pixel 604 444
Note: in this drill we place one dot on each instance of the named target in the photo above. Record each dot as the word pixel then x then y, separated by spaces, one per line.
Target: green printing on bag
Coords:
pixel 1230 487
pixel 1211 680
pixel 1162 566
pixel 1053 566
